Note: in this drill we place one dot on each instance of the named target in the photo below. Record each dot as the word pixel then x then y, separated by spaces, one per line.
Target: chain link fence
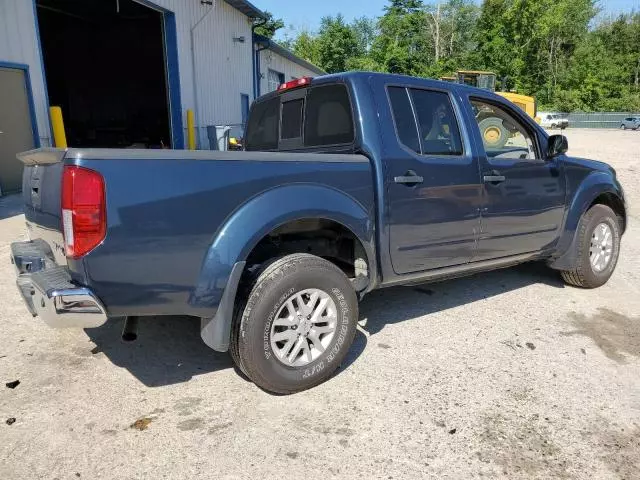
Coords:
pixel 597 120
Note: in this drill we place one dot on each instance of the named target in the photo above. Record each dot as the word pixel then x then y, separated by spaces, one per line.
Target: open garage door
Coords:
pixel 106 66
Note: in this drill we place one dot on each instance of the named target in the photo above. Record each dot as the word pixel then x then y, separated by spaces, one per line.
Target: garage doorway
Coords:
pixel 108 66
pixel 18 131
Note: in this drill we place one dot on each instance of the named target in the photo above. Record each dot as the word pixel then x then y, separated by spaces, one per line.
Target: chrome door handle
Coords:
pixel 409 178
pixel 494 177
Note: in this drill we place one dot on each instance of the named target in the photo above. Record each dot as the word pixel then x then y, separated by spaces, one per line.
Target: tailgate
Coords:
pixel 41 193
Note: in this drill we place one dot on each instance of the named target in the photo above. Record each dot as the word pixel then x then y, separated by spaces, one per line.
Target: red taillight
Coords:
pixel 298 82
pixel 84 217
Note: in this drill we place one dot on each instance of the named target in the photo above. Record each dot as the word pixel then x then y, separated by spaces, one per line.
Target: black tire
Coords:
pixel 584 275
pixel 251 342
pixel 495 126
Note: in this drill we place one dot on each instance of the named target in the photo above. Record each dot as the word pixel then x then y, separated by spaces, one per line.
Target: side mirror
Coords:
pixel 558 145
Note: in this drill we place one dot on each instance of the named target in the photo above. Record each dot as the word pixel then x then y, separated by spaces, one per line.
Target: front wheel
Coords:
pixel 297 325
pixel 598 248
pixel 623 127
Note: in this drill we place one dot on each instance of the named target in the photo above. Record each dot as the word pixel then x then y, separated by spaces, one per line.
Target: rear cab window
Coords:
pixel 425 121
pixel 303 118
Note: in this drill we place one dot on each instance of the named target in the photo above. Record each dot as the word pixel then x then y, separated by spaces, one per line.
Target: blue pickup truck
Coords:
pixel 348 183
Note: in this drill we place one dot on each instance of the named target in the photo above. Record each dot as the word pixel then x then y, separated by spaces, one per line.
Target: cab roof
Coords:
pixel 406 80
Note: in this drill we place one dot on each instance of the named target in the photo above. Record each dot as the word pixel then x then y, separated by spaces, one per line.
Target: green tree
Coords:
pixel 269 27
pixel 603 72
pixel 532 42
pixel 551 49
pixel 402 45
pixel 336 43
pixel 450 26
pixel 305 46
pixel 365 30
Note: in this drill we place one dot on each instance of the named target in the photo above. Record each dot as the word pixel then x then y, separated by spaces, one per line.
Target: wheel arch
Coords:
pixel 226 260
pixel 615 203
pixel 597 188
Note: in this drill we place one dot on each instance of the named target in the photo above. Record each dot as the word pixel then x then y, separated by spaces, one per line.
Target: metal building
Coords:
pixel 125 72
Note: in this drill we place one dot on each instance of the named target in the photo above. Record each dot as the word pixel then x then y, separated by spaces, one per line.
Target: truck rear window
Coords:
pixel 321 118
pixel 292 119
pixel 262 129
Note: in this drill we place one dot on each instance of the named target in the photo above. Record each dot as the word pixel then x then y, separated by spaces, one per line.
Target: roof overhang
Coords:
pixel 288 54
pixel 247 8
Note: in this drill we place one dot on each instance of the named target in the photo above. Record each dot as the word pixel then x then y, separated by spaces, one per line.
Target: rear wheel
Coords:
pixel 623 127
pixel 297 325
pixel 598 248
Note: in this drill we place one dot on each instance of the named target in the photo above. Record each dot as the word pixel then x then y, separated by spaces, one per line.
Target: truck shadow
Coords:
pixel 398 304
pixel 10 206
pixel 169 350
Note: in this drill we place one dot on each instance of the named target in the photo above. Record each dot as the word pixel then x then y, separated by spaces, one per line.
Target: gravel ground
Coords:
pixel 502 375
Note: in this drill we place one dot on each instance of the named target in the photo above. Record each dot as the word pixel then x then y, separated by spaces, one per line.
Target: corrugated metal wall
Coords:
pixel 272 61
pixel 223 67
pixel 18 44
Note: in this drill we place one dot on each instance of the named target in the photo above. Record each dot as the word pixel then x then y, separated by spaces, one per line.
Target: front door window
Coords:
pixel 502 135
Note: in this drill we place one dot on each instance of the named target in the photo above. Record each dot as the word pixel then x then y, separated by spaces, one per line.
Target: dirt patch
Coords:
pixel 186 406
pixel 218 428
pixel 191 424
pixel 624 452
pixel 522 447
pixel 617 335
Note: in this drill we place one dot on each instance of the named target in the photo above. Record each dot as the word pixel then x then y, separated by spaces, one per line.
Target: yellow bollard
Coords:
pixel 57 124
pixel 191 130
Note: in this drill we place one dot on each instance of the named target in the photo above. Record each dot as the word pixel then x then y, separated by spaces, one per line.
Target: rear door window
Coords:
pixel 439 131
pixel 329 120
pixel 405 121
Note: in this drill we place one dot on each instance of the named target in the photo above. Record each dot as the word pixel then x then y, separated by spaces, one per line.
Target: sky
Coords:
pixel 306 14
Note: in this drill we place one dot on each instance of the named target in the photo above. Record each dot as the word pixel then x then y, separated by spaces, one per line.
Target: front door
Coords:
pixel 523 193
pixel 432 181
pixel 16 131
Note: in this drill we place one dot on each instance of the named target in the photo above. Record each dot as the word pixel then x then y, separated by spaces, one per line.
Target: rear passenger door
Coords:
pixel 432 182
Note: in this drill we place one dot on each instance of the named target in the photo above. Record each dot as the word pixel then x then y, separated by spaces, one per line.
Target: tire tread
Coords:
pixel 578 276
pixel 244 357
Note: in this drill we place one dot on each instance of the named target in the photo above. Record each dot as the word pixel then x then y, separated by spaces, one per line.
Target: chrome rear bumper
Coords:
pixel 48 291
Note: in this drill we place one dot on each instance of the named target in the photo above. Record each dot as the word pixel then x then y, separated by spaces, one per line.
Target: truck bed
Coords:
pixel 164 210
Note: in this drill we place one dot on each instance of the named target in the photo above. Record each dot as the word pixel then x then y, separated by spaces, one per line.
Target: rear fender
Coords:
pixel 216 287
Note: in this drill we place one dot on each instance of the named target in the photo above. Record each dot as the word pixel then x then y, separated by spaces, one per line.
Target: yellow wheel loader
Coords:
pixel 492 130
